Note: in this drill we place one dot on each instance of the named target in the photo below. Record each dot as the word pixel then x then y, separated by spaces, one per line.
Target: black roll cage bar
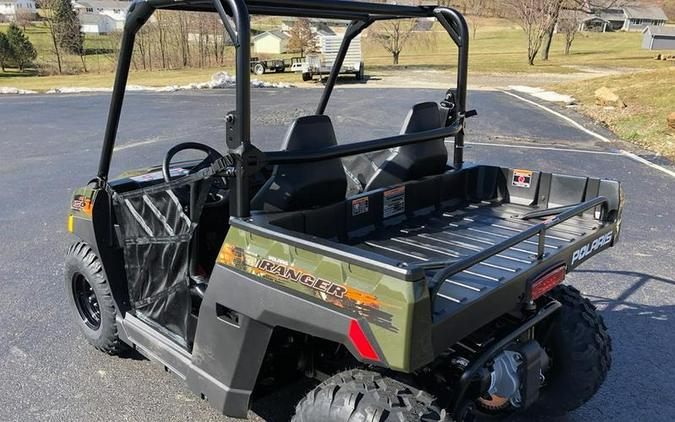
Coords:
pixel 235 15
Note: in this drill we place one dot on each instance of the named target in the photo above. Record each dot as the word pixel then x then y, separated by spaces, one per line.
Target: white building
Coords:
pixel 101 16
pixel 270 42
pixel 9 9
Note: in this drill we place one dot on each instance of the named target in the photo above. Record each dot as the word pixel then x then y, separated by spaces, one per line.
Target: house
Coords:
pixel 658 38
pixel 99 24
pixel 10 9
pixel 101 16
pixel 629 18
pixel 270 42
pixel 640 17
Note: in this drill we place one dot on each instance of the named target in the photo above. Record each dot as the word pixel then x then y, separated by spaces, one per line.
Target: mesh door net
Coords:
pixel 156 234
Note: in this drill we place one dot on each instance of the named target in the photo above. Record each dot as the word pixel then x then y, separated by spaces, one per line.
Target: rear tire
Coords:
pixel 581 354
pixel 306 76
pixel 90 298
pixel 359 395
pixel 259 69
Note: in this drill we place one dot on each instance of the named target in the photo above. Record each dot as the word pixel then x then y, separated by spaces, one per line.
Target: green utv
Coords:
pixel 409 285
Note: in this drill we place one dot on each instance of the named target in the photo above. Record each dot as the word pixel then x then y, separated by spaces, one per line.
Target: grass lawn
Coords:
pixel 147 78
pixel 500 47
pixel 649 96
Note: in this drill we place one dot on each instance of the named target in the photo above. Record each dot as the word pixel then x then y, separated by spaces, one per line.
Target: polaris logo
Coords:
pixel 583 252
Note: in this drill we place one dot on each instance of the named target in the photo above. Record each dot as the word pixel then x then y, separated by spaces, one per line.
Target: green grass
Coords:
pixel 39 35
pixel 649 97
pixel 500 47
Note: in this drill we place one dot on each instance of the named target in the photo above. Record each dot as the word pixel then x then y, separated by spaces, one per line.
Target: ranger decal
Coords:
pixel 281 272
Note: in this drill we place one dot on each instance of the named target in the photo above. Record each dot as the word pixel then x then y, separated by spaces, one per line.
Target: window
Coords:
pixel 90 9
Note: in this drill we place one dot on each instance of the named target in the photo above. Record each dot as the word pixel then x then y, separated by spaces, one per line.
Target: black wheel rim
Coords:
pixel 86 302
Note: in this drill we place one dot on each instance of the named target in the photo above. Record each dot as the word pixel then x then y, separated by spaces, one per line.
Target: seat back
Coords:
pixel 295 187
pixel 414 161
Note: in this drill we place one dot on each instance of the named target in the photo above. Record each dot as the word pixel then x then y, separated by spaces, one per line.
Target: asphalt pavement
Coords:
pixel 49 144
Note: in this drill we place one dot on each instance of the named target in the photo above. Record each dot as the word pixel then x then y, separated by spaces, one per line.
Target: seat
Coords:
pixel 409 162
pixel 295 187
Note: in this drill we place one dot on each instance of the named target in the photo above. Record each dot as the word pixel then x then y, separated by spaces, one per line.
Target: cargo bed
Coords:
pixel 470 232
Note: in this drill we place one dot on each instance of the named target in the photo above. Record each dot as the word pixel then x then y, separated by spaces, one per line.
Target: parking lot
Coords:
pixel 49 144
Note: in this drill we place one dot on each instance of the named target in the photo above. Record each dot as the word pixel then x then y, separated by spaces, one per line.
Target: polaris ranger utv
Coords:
pixel 409 285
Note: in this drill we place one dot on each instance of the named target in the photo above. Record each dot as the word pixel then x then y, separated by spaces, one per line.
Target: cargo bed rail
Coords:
pixel 448 268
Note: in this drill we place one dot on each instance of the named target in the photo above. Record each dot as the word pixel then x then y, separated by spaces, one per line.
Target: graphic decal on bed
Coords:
pixel 348 298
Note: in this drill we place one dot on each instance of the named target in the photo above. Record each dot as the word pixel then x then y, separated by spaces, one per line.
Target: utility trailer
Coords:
pixel 386 270
pixel 321 63
pixel 260 66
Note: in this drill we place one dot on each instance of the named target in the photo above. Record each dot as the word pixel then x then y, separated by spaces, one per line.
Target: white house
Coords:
pixel 629 18
pixel 270 42
pixel 9 9
pixel 101 16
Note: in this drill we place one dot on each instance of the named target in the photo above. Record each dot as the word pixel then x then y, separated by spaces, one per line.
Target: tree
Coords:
pixel 24 18
pixel 393 36
pixel 22 49
pixel 473 10
pixel 63 25
pixel 68 26
pixel 6 53
pixel 301 37
pixel 569 26
pixel 535 17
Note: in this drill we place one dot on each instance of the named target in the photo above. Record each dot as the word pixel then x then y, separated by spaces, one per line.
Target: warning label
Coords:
pixel 522 178
pixel 360 206
pixel 394 202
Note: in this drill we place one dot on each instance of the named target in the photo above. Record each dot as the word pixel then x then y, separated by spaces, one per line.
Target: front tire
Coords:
pixel 359 395
pixel 90 298
pixel 581 354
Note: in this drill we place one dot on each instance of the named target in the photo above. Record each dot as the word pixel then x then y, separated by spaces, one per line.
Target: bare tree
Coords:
pixel 393 36
pixel 49 20
pixel 24 18
pixel 474 10
pixel 568 24
pixel 301 37
pixel 535 17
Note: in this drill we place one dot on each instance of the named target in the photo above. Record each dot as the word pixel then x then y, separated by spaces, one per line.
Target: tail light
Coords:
pixel 548 281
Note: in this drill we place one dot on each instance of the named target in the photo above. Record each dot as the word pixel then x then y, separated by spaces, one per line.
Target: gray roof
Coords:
pixel 661 31
pixel 278 34
pixel 645 12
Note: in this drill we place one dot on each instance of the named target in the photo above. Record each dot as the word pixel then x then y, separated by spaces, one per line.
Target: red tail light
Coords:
pixel 548 281
pixel 361 343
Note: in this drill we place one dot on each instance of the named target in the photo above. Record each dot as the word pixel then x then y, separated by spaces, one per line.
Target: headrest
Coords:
pixel 422 116
pixel 310 132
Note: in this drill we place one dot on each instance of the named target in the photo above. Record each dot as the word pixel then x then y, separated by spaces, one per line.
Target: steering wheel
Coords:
pixel 211 156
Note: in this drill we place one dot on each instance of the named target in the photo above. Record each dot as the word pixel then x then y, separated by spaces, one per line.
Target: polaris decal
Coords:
pixel 586 250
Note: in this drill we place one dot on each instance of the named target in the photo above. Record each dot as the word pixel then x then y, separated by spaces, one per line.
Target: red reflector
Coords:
pixel 548 281
pixel 360 341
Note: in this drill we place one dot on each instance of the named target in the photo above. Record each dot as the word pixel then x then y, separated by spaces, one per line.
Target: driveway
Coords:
pixel 50 144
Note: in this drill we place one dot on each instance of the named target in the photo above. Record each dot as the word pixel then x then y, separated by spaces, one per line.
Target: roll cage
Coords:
pixel 244 159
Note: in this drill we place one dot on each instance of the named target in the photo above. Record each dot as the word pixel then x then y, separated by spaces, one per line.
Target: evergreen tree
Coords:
pixel 6 53
pixel 67 26
pixel 22 49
